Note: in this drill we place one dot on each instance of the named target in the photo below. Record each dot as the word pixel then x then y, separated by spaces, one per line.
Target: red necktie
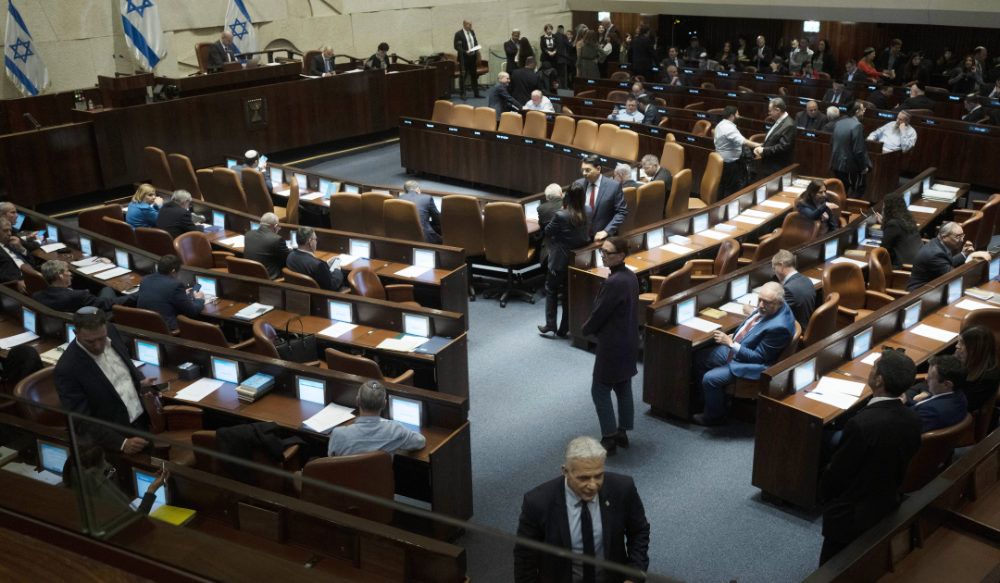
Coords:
pixel 593 187
pixel 743 333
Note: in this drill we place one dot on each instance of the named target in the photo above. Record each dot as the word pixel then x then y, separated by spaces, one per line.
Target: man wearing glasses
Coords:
pixel 942 254
pixel 754 346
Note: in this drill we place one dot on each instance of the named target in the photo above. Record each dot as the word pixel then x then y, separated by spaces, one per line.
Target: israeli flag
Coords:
pixel 141 21
pixel 238 22
pixel 24 65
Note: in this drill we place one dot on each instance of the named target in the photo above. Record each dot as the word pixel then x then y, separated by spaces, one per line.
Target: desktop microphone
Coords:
pixel 33 121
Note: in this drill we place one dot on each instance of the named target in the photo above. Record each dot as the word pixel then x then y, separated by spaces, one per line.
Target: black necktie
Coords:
pixel 587 532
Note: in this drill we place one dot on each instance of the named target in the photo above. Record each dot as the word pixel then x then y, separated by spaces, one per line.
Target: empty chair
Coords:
pixel 672 157
pixel 198 331
pixel 617 95
pixel 856 301
pixel 247 267
pixel 157 168
pixel 206 183
pixel 618 76
pixel 836 186
pixel 701 127
pixel 563 130
pixel 935 453
pixel 797 229
pixel 119 230
pixel 287 460
pixel 370 473
pixel 462 115
pixel 709 190
pixel 362 367
pixel 292 206
pixel 346 212
pixel 586 135
pixel 664 287
pixel 442 111
pixel 650 199
pixel 372 220
pixel 626 145
pixel 823 321
pixel 462 226
pixel 765 247
pixel 680 192
pixel 726 260
pixel 296 278
pixel 402 221
pixel 90 219
pixel 258 198
pixel 39 387
pixel 227 190
pixel 606 134
pixel 156 241
pixel 174 423
pixel 33 281
pixel 139 318
pixel 510 123
pixel 485 118
pixel 183 175
pixel 195 250
pixel 881 275
pixel 365 282
pixel 506 239
pixel 535 125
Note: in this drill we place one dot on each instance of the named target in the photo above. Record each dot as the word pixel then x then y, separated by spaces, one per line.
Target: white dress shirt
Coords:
pixel 728 141
pixel 117 373
pixel 893 139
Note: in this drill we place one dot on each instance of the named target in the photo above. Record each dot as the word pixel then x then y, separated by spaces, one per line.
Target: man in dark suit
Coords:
pixel 95 377
pixel 561 512
pixel 221 52
pixel 754 346
pixel 852 74
pixel 175 216
pixel 303 260
pixel 523 81
pixel 321 64
pixel 162 293
pixel 652 169
pixel 778 147
pixel 651 115
pixel 942 254
pixel 510 49
pixel 861 484
pixel 881 96
pixel 941 405
pixel 623 175
pixel 838 94
pixel 849 158
pixel 499 98
pixel 430 218
pixel 604 197
pixel 29 239
pixel 917 99
pixel 266 246
pixel 974 108
pixel 468 59
pixel 60 296
pixel 642 55
pixel 12 256
pixel 762 55
pixel 810 118
pixel 800 293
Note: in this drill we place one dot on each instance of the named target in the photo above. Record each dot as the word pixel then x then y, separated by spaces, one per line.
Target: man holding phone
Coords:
pixel 303 260
pixel 162 293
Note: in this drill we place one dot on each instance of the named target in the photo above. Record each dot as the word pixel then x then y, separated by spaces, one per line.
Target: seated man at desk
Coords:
pixel 380 60
pixel 321 65
pixel 221 52
pixel 60 295
pixel 266 246
pixel 538 102
pixel 918 99
pixel 810 118
pixel 604 198
pixel 623 175
pixel 896 135
pixel 430 218
pixel 370 432
pixel 175 217
pixel 940 405
pixel 162 293
pixel 754 346
pixel 96 377
pixel 629 113
pixel 651 170
pixel 942 254
pixel 303 260
pixel 13 256
pixel 28 239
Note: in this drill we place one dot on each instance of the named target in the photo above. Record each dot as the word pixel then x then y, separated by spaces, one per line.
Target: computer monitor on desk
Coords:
pixel 416 325
pixel 142 480
pixel 311 390
pixel 28 320
pixel 207 286
pixel 277 177
pixel 341 311
pixel 531 210
pixel 147 351
pixel 226 370
pixel 52 456
pixel 405 411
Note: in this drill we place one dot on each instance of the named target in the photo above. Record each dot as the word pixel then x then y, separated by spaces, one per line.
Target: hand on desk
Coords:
pixel 721 337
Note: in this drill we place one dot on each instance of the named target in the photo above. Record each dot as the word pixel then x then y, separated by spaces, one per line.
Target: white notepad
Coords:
pixel 699 324
pixel 337 330
pixel 676 249
pixel 933 333
pixel 105 275
pixel 198 390
pixel 328 417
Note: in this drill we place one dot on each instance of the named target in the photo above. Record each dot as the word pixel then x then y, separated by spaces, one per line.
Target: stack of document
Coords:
pixel 254 310
pixel 941 192
pixel 329 417
pixel 840 393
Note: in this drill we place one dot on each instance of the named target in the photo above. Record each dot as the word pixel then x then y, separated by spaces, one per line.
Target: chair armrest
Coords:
pixel 856 205
pixel 697 279
pixel 743 261
pixel 896 293
pixel 246 344
pixel 702 267
pixel 655 281
pixel 291 461
pixel 875 300
pixel 977 205
pixel 219 258
pixel 961 215
pixel 180 417
pixel 404 379
pixel 847 312
pixel 899 278
pixel 316 363
pixel 747 251
pixel 399 292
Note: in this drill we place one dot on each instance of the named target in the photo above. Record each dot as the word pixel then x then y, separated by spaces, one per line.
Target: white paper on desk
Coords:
pixel 254 310
pixel 714 235
pixel 756 213
pixel 749 299
pixel 679 250
pixel 17 340
pixel 699 324
pixel 829 385
pixel 412 271
pixel 86 262
pixel 311 196
pixel 29 471
pixel 95 267
pixel 945 188
pixel 346 259
pixel 105 275
pixel 838 400
pixel 871 358
pixel 337 330
pixel 916 208
pixel 776 204
pixel 972 305
pixel 733 308
pixel 234 241
pixel 794 189
pixel 198 390
pixel 848 260
pixel 751 220
pixel 285 192
pixel 933 333
pixel 328 417
pixel 52 247
pixel 726 228
pixel 405 344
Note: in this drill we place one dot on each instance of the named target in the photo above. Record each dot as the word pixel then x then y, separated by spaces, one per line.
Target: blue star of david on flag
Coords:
pixel 23 66
pixel 22 44
pixel 140 9
pixel 239 29
pixel 240 24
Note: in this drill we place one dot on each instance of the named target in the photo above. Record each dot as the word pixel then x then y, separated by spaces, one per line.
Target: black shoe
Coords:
pixel 544 330
pixel 477 96
pixel 621 439
pixel 609 443
pixel 700 419
pixel 563 334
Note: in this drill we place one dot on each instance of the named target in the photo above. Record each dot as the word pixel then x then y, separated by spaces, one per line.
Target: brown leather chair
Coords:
pixel 709 190
pixel 834 185
pixel 140 318
pixel 606 135
pixel 300 279
pixel 726 260
pixel 462 115
pixel 365 282
pixel 194 249
pixel 510 123
pixel 506 238
pixel 265 339
pixel 586 135
pixel 183 174
pixel 934 454
pixel 400 218
pixel 587 93
pixel 370 473
pixel 707 85
pixel 630 193
pixel 290 462
pixel 247 267
pixel 650 199
pixel 990 318
pixel 201 51
pixel 292 206
pixel 701 127
pixel 462 226
pixel 39 387
pixel 198 331
pixel 971 226
pixel 563 130
pixel 206 183
pixel 362 367
pixel 619 76
pixel 485 119
pixel 346 212
pixel 535 125
pixel 823 321
pixel 442 111
pixel 991 212
pixel 856 301
pixel 983 418
pixel 880 271
pixel 625 145
pixel 156 241
pixel 372 212
pixel 33 280
pixel 227 190
pixel 118 230
pixel 617 95
pixel 749 389
pixel 90 219
pixel 157 168
pixel 672 157
pixel 763 249
pixel 566 110
pixel 173 422
pixel 696 106
pixel 680 193
pixel 664 287
pixel 797 229
pixel 258 198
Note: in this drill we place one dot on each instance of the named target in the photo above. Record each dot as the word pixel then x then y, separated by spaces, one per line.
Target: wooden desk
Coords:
pixel 229 80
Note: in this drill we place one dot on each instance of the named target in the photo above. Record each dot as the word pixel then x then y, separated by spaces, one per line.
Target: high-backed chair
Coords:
pixel 206 183
pixel 510 123
pixel 198 331
pixel 619 76
pixel 696 106
pixel 835 185
pixel 258 199
pixel 971 225
pixel 991 212
pixel 631 203
pixel 362 367
pixel 201 51
pixel 672 157
pixel 442 111
pixel 156 241
pixel 183 175
pixel 33 280
pixel 292 206
pixel 726 260
pixel 535 125
pixel 626 145
pixel 365 282
pixel 463 115
pixel 823 321
pixel 856 301
pixel 563 130
pixel 370 473
pixel 882 277
pixel 617 95
pixel 586 135
pixel 119 231
pixel 140 318
pixel 797 229
pixel 195 250
pixel 680 192
pixel 346 212
pixel 664 287
pixel 228 191
pixel 763 249
pixel 39 387
pixel 982 419
pixel 934 454
pixel 401 219
pixel 372 212
pixel 265 339
pixel 485 118
pixel 606 134
pixel 701 127
pixel 506 239
pixel 90 219
pixel 174 422
pixel 296 278
pixel 650 198
pixel 157 168
pixel 709 190
pixel 289 461
pixel 462 226
pixel 247 267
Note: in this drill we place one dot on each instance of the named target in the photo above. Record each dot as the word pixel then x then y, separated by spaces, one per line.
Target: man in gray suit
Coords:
pixel 430 219
pixel 604 197
pixel 849 158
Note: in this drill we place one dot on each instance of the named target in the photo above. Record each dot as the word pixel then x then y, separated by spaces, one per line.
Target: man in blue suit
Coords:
pixel 603 197
pixel 754 346
pixel 941 405
pixel 430 218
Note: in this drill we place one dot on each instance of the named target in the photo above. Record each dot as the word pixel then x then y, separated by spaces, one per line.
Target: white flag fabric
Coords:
pixel 24 65
pixel 238 22
pixel 141 21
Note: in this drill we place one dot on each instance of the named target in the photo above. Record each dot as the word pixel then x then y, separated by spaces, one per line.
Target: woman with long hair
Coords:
pixel 812 204
pixel 589 54
pixel 965 78
pixel 900 234
pixel 568 229
pixel 524 51
pixel 977 350
pixel 822 59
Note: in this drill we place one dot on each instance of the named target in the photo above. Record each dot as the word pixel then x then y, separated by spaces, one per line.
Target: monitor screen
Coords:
pixel 277 177
pixel 685 310
pixel 361 248
pixel 19 221
pixel 326 187
pixel 911 316
pixel 218 220
pixel 739 287
pixel 302 182
pixel 311 390
pixel 654 239
pixel 85 247
pixel 954 291
pixel 406 411
pixel 340 311
pixel 207 285
pixel 761 194
pixel 598 259
pixel 699 223
pixel 352 188
pixel 52 233
pixel 424 258
pixel 70 332
pixel 28 319
pixel 148 352
pixel 142 482
pixel 226 370
pixel 416 325
pixel 804 374
pixel 906 198
pixel 994 268
pixel 862 342
pixel 531 210
pixel 52 457
pixel 733 209
pixel 232 163
pixel 926 184
pixel 121 258
pixel 830 250
pixel 862 231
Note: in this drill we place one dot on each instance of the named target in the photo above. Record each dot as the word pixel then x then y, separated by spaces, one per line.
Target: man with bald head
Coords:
pixel 221 52
pixel 811 118
pixel 753 347
pixel 321 65
pixel 499 97
pixel 266 246
pixel 942 254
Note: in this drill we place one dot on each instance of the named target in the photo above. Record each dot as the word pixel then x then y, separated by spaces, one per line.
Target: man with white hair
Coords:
pixel 896 135
pixel 370 432
pixel 538 102
pixel 321 65
pixel 651 170
pixel 29 240
pixel 832 117
pixel 588 511
pixel 221 52
pixel 623 175
pixel 266 246
pixel 753 347
pixel 175 217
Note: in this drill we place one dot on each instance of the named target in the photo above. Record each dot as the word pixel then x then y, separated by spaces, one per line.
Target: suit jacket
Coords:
pixel 878 99
pixel 167 296
pixel 612 320
pixel 975 115
pixel 845 97
pixel 430 219
pixel 9 271
pixel 175 219
pixel 83 388
pixel 317 67
pixel 902 246
pixel 932 261
pixel 67 299
pixel 461 44
pixel 918 102
pixel 762 62
pixel 652 117
pixel 643 55
pixel 779 147
pixel 761 347
pixel 803 120
pixel 306 263
pixel 500 100
pixel 544 518
pixel 609 205
pixel 816 213
pixel 522 82
pixel 510 49
pixel 940 411
pixel 217 56
pixel 267 247
pixel 848 152
pixel 861 483
pixel 800 295
pixel 563 237
pixel 662 174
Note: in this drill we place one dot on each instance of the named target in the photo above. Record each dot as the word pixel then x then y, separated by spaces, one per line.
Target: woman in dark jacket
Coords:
pixel 822 60
pixel 900 234
pixel 567 230
pixel 976 348
pixel 812 204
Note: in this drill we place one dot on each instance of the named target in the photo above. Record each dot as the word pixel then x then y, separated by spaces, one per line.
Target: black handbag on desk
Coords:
pixel 296 346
